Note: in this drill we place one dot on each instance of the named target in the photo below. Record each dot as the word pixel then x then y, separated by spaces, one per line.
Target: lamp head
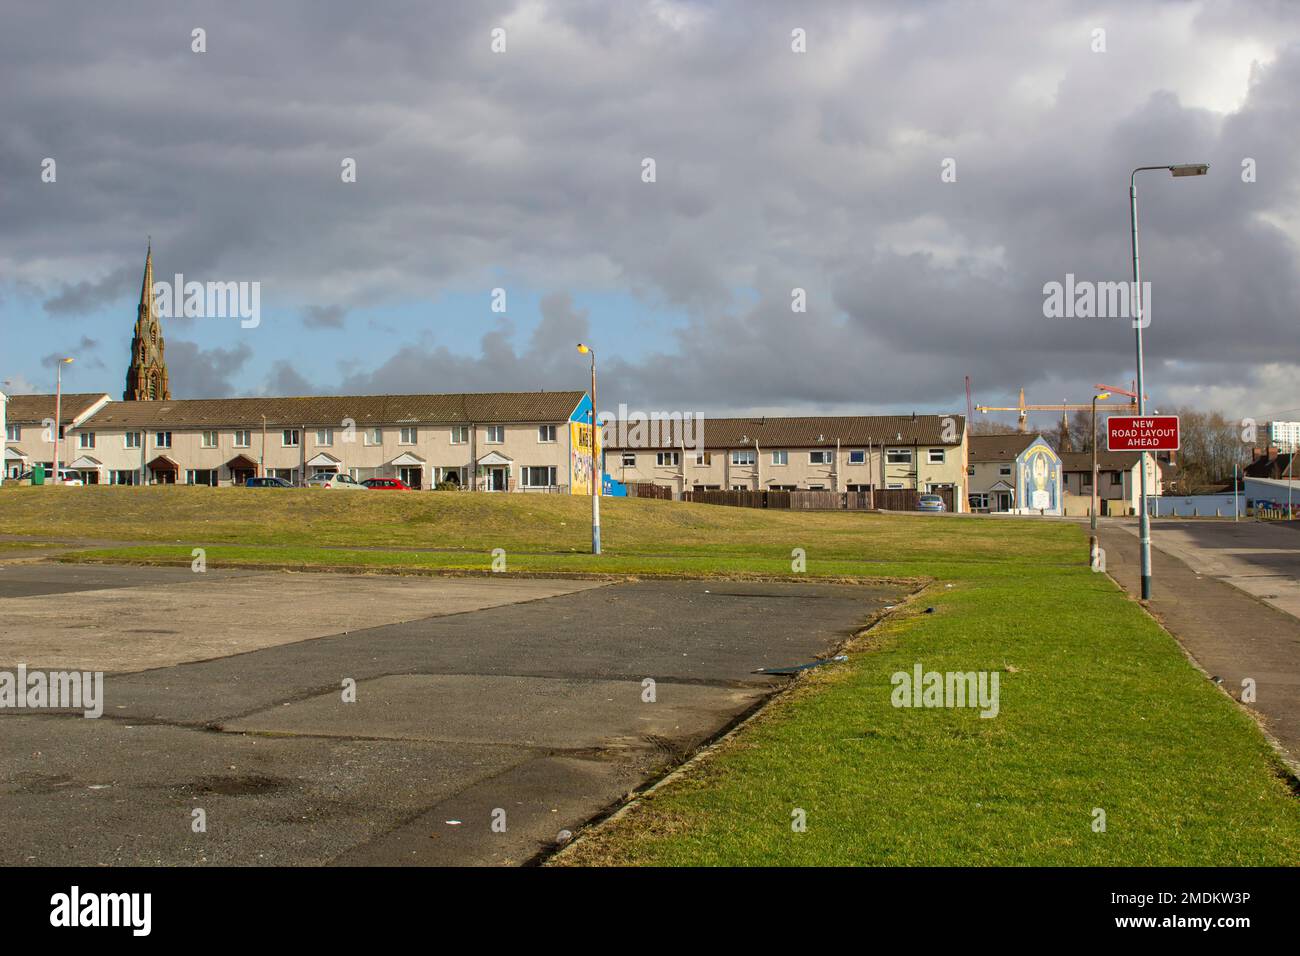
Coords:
pixel 584 349
pixel 1102 397
pixel 1190 169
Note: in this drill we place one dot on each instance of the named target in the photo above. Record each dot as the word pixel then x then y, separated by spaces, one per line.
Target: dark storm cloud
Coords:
pixel 544 363
pixel 85 296
pixel 195 372
pixel 82 354
pixel 775 170
pixel 286 380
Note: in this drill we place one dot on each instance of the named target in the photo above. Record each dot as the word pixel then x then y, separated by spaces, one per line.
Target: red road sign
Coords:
pixel 1142 433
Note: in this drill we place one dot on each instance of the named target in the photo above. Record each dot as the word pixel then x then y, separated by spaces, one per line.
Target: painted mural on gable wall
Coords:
pixel 1040 478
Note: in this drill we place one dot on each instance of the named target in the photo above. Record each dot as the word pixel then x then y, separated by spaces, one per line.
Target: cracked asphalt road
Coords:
pixel 476 699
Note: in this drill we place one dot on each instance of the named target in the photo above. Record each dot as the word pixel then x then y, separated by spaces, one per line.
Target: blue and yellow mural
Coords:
pixel 581 457
pixel 1039 479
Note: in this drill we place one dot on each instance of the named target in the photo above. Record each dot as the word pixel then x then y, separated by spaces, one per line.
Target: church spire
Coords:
pixel 146 379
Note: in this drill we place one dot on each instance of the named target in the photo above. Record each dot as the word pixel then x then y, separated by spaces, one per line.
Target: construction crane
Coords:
pixel 1023 410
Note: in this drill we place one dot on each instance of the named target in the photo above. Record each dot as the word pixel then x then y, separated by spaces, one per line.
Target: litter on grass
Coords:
pixel 795 668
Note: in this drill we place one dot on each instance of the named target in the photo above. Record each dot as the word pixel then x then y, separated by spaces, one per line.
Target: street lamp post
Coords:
pixel 1096 398
pixel 58 411
pixel 1144 521
pixel 597 478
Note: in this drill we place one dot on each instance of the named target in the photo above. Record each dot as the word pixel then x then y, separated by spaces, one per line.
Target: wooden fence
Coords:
pixel 791 500
pixel 892 499
pixel 646 489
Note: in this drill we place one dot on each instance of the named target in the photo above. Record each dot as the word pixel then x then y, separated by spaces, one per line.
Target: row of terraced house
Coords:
pixel 540 442
pixel 502 441
pixel 505 441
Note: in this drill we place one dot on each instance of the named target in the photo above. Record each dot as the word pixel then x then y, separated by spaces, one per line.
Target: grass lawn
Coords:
pixel 1098 708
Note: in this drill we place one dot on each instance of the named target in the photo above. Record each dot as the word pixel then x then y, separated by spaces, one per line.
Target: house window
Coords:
pixel 289 438
pixel 668 459
pixel 895 485
pixel 970 469
pixel 131 440
pixel 780 458
pixel 546 434
pixel 704 459
pixel 859 488
pixel 243 438
pixel 85 439
pixel 496 434
pixel 372 437
pixel 741 488
pixel 742 458
pixel 816 487
pixel 459 435
pixel 162 440
pixel 539 476
pixel 819 457
pixel 857 456
pixel 978 502
pixel 629 459
pixel 125 477
pixel 1086 479
pixel 1004 470
pixel 1117 478
pixel 936 456
pixel 201 476
pixel 324 437
pixel 408 435
pixel 899 456
pixel 12 433
pixel 207 440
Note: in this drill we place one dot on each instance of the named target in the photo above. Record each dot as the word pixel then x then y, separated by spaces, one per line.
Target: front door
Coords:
pixel 411 475
pixel 1004 501
pixel 497 478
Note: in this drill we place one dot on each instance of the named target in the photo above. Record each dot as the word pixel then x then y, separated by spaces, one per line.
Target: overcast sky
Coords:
pixel 774 170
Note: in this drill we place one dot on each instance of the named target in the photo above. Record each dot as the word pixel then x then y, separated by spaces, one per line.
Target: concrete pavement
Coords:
pixel 1225 590
pixel 104 618
pixel 531 712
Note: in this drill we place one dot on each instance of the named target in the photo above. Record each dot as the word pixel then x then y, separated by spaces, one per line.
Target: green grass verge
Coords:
pixel 1098 707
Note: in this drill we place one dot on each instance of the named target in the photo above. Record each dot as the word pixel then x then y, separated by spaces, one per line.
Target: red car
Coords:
pixel 387 484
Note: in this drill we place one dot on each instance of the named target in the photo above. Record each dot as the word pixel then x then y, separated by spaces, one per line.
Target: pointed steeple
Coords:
pixel 146 288
pixel 146 379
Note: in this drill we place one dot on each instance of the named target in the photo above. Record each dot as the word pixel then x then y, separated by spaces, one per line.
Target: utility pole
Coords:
pixel 1144 520
pixel 1103 396
pixel 1236 510
pixel 58 412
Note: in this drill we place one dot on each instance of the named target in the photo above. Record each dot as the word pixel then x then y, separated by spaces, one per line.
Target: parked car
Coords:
pixel 267 483
pixel 336 480
pixel 69 477
pixel 387 484
pixel 930 503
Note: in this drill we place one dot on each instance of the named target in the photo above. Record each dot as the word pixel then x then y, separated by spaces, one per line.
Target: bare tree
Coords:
pixel 1210 446
pixel 985 426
